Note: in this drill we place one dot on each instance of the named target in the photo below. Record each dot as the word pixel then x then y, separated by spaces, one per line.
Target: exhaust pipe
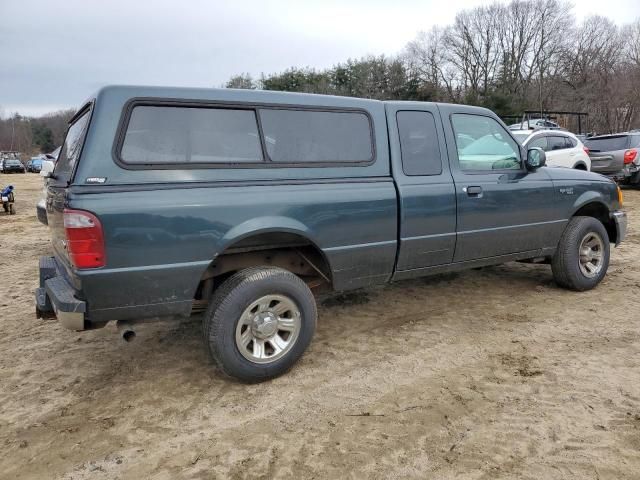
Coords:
pixel 125 329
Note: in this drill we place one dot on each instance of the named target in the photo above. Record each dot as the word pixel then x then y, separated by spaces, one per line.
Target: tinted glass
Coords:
pixel 607 144
pixel 165 135
pixel 635 140
pixel 419 143
pixel 491 148
pixel 540 142
pixel 556 143
pixel 71 147
pixel 571 142
pixel 294 136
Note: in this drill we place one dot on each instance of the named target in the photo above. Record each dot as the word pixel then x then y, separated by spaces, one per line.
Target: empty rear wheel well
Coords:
pixel 601 212
pixel 580 166
pixel 290 251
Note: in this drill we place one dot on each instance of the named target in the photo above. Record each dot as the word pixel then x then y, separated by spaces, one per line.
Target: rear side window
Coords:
pixel 72 146
pixel 301 136
pixel 607 144
pixel 169 135
pixel 419 143
pixel 557 143
pixel 571 142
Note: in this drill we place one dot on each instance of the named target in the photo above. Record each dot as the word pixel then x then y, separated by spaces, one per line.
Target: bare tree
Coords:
pixel 426 60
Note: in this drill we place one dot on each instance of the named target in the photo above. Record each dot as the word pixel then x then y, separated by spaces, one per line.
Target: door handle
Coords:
pixel 473 191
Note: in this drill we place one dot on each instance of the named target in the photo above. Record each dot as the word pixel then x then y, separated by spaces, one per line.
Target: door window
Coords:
pixel 540 142
pixel 419 143
pixel 491 147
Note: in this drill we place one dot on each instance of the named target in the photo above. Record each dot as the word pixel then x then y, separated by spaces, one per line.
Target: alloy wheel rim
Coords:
pixel 591 255
pixel 268 328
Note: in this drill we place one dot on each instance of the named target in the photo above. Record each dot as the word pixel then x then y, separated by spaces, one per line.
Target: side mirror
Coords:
pixel 536 158
pixel 47 168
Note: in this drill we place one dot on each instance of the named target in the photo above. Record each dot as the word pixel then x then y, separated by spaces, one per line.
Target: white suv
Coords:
pixel 563 148
pixel 534 124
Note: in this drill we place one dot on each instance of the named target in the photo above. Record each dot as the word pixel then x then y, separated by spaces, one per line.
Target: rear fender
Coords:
pixel 270 224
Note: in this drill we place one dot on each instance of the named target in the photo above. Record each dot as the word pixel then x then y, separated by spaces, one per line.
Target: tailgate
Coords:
pixel 56 199
pixel 606 162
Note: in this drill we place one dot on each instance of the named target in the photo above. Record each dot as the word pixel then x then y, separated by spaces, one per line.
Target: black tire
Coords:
pixel 12 209
pixel 566 262
pixel 229 302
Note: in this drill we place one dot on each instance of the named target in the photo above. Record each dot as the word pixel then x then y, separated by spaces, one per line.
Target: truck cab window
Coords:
pixel 419 143
pixel 491 147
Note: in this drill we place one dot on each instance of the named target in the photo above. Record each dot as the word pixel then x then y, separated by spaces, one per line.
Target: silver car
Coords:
pixel 616 155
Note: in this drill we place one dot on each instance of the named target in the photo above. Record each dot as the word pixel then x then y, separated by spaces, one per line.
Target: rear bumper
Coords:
pixel 628 174
pixel 620 219
pixel 56 296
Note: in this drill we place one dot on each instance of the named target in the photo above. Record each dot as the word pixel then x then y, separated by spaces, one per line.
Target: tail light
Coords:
pixel 630 155
pixel 85 241
pixel 586 150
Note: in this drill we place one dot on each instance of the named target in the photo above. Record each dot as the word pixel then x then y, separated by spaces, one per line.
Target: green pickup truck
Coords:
pixel 243 204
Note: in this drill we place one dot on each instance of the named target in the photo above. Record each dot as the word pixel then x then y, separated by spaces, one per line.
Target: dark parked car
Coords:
pixel 12 166
pixel 241 204
pixel 616 156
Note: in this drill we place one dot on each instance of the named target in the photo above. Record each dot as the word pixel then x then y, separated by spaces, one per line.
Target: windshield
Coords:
pixel 71 148
pixel 607 144
pixel 12 162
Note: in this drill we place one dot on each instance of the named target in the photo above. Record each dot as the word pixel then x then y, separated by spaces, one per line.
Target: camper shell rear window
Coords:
pixel 72 146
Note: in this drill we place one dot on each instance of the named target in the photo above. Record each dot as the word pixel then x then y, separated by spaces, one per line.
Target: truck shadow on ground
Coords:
pixel 177 348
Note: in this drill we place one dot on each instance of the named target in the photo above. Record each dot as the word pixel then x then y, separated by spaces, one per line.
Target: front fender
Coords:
pixel 587 197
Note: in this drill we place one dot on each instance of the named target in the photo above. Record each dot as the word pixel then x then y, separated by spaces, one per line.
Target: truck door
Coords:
pixel 420 167
pixel 502 208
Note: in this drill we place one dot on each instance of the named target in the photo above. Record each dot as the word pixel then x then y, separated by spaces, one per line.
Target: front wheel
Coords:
pixel 582 258
pixel 259 323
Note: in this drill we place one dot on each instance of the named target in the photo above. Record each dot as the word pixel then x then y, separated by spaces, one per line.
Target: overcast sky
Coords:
pixel 55 53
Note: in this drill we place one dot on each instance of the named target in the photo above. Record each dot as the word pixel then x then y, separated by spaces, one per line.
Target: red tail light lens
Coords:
pixel 630 155
pixel 85 241
pixel 586 150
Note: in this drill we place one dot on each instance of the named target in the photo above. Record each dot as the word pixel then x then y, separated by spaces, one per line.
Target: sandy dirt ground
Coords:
pixel 492 373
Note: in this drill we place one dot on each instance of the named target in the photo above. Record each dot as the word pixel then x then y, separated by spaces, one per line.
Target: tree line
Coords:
pixel 33 135
pixel 524 55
